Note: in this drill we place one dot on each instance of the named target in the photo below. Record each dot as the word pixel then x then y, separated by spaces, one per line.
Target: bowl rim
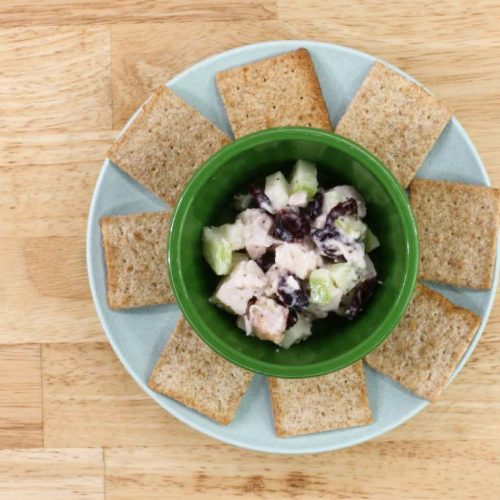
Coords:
pixel 219 160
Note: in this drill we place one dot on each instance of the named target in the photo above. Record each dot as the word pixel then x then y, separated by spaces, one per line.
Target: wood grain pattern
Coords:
pixel 147 55
pixel 71 73
pixel 20 396
pixel 365 471
pixel 42 253
pixel 20 12
pixel 48 474
pixel 444 22
pixel 100 404
pixel 55 79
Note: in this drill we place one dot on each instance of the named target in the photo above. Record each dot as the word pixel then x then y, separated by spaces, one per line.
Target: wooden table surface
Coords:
pixel 72 422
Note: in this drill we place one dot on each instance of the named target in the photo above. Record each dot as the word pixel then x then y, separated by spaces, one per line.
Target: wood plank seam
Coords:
pixel 41 395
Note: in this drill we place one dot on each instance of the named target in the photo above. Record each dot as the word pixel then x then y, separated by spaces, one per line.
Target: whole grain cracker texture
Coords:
pixel 457 226
pixel 427 345
pixel 277 92
pixel 334 401
pixel 135 256
pixel 165 144
pixel 193 374
pixel 394 119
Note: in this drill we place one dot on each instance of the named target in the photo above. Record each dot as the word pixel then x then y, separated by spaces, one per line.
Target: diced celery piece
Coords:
pixel 233 233
pixel 304 178
pixel 371 241
pixel 300 331
pixel 344 275
pixel 352 225
pixel 321 286
pixel 217 250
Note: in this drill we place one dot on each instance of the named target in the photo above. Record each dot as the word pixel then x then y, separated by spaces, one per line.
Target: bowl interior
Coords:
pixel 208 200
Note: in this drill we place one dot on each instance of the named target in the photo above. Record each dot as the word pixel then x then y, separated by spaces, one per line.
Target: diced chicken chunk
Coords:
pixel 247 280
pixel 257 226
pixel 273 276
pixel 268 319
pixel 297 259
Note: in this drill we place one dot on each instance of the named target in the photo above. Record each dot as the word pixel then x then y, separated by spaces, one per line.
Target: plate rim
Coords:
pixel 282 44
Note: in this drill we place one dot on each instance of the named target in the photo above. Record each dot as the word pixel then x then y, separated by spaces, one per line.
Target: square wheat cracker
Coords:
pixel 196 376
pixel 135 255
pixel 457 226
pixel 165 144
pixel 427 344
pixel 334 401
pixel 394 119
pixel 276 92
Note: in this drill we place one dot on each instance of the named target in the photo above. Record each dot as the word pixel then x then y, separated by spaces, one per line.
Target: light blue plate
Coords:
pixel 138 336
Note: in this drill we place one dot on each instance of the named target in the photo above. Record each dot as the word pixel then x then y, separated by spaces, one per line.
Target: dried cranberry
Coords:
pixel 315 206
pixel 291 319
pixel 324 239
pixel 266 261
pixel 334 260
pixel 347 207
pixel 291 224
pixel 260 199
pixel 296 298
pixel 360 295
pixel 250 303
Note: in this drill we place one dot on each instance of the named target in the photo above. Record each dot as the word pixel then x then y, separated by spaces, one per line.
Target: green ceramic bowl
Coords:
pixel 208 200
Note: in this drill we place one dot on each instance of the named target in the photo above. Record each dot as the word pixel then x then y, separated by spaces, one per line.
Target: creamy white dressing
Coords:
pixel 274 305
pixel 257 226
pixel 296 258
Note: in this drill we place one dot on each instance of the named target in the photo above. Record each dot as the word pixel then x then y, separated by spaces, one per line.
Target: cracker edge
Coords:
pixel 422 90
pixel 279 412
pixel 487 282
pixel 223 75
pixel 136 122
pixel 109 260
pixel 449 307
pixel 224 419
